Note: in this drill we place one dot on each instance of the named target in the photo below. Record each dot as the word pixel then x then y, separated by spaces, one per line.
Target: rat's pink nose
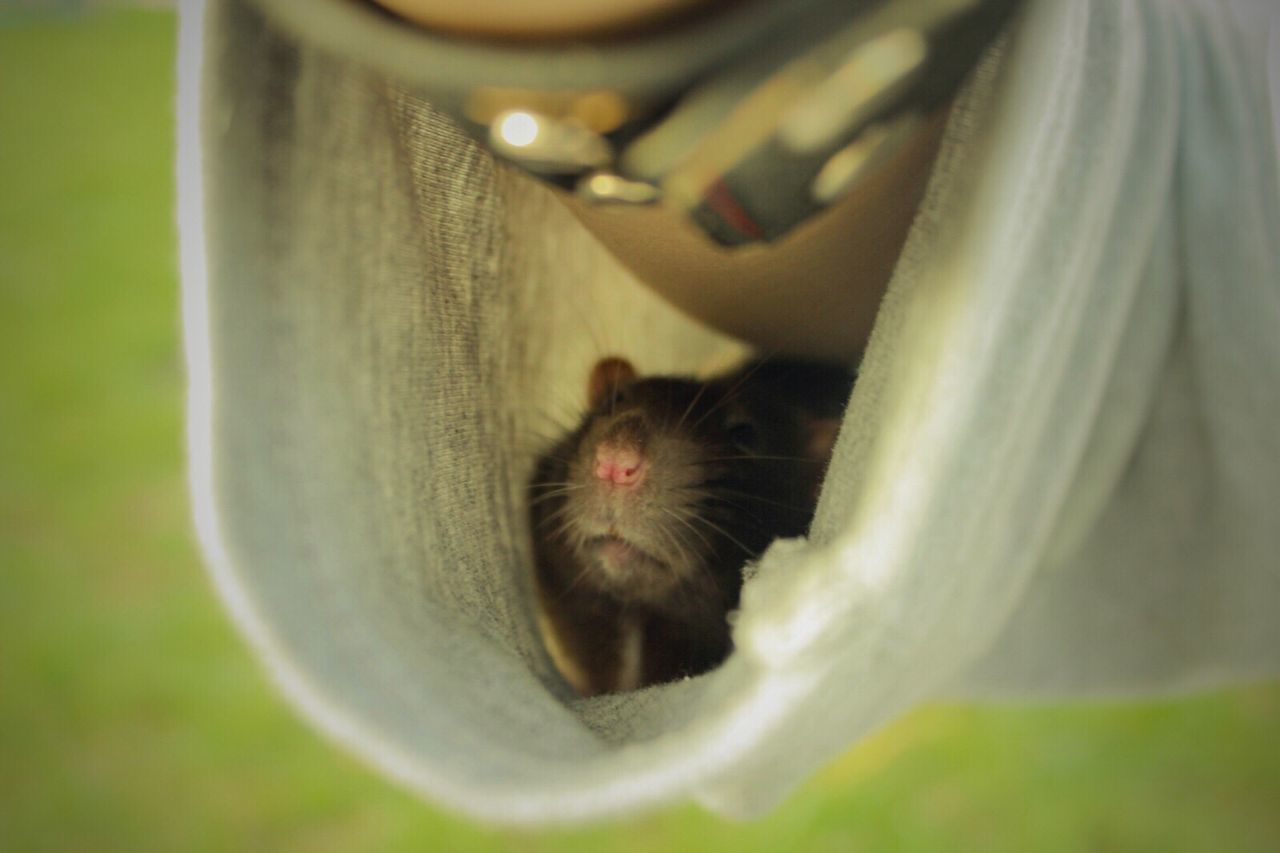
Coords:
pixel 622 465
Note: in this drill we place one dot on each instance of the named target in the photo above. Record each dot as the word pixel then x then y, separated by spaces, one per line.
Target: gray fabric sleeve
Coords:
pixel 1057 476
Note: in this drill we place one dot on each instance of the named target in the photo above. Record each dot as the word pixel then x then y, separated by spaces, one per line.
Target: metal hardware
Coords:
pixel 856 160
pixel 872 74
pixel 546 145
pixel 607 187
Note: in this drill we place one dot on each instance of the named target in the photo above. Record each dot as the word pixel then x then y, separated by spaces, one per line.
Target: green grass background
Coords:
pixel 132 718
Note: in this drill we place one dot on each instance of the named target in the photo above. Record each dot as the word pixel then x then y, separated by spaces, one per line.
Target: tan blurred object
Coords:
pixel 517 20
pixel 814 293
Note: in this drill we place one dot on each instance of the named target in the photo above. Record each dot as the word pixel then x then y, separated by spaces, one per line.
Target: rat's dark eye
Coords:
pixel 743 435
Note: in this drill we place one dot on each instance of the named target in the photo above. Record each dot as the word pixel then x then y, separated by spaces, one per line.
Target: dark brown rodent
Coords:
pixel 644 515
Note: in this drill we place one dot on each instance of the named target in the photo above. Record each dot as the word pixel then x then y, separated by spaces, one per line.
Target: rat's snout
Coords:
pixel 621 463
pixel 620 455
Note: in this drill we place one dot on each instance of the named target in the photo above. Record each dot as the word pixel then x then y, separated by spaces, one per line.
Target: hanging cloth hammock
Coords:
pixel 1058 476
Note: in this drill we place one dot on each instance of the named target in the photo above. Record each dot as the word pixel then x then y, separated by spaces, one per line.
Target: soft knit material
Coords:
pixel 1058 476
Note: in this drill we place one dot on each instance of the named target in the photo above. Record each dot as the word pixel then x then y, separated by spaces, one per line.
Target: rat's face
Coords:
pixel 675 484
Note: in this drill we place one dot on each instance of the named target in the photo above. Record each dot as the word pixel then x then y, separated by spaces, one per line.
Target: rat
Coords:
pixel 644 515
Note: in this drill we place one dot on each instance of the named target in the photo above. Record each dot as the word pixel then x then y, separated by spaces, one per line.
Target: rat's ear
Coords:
pixel 607 376
pixel 822 434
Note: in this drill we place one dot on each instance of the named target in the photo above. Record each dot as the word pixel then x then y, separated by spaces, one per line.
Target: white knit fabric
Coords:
pixel 1058 476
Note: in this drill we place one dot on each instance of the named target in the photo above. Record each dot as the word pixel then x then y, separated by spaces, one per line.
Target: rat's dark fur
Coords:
pixel 634 584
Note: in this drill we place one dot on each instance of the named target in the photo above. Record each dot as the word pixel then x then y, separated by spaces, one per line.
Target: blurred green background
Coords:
pixel 132 718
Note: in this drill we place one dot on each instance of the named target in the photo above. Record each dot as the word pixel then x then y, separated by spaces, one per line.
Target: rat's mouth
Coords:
pixel 631 573
pixel 621 555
